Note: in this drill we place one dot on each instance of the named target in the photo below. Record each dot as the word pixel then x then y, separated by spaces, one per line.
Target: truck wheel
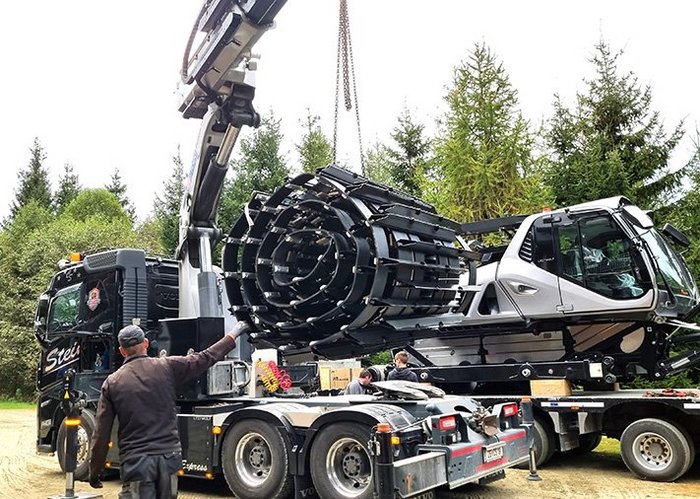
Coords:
pixel 588 442
pixel 654 449
pixel 255 460
pixel 545 444
pixel 341 467
pixel 85 432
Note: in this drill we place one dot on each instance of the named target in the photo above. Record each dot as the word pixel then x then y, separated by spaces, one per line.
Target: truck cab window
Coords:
pixel 63 311
pixel 596 254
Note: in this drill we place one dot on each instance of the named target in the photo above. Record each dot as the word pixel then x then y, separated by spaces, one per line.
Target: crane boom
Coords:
pixel 220 76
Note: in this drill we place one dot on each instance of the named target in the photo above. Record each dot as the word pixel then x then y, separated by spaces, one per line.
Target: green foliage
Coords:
pixel 484 163
pixel 315 149
pixel 68 188
pixel 684 213
pixel 29 248
pixel 18 361
pixel 96 202
pixel 378 359
pixel 167 208
pixel 117 187
pixel 33 181
pixel 149 233
pixel 261 167
pixel 408 159
pixel 680 380
pixel 401 166
pixel 378 165
pixel 611 142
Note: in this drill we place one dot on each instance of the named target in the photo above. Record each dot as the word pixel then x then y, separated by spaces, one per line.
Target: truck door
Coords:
pixel 528 272
pixel 599 267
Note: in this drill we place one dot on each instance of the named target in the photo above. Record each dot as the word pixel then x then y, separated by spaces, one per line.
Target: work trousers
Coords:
pixel 150 477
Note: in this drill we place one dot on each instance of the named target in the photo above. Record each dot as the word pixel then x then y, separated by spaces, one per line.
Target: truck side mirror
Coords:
pixel 42 310
pixel 676 235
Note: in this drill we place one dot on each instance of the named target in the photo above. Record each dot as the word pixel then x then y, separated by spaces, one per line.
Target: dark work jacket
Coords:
pixel 403 374
pixel 141 393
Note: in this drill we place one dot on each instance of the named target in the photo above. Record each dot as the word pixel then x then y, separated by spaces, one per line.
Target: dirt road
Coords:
pixel 27 475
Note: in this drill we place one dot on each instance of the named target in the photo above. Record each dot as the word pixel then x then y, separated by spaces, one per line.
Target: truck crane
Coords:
pixel 237 420
pixel 333 265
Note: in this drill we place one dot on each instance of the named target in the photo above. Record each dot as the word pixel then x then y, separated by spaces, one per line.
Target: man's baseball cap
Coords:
pixel 130 336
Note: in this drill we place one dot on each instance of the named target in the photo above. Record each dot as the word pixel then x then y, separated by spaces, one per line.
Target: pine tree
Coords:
pixel 261 167
pixel 684 212
pixel 68 188
pixel 33 181
pixel 408 159
pixel 484 163
pixel 118 188
pixel 315 149
pixel 379 167
pixel 167 208
pixel 611 142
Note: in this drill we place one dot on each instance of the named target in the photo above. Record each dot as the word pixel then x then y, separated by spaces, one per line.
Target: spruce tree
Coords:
pixel 260 167
pixel 484 163
pixel 315 149
pixel 408 159
pixel 379 167
pixel 167 208
pixel 33 181
pixel 117 187
pixel 611 142
pixel 68 188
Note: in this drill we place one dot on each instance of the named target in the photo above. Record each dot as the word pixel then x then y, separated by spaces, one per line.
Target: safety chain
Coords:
pixel 345 62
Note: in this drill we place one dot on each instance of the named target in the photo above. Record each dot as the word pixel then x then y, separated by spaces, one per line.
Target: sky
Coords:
pixel 97 81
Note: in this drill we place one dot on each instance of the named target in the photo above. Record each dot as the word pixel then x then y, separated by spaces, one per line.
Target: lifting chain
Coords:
pixel 345 63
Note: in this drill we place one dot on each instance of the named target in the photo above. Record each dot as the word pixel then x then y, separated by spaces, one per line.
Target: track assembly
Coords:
pixel 329 257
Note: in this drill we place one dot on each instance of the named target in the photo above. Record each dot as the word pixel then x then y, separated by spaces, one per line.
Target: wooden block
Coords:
pixel 325 375
pixel 550 388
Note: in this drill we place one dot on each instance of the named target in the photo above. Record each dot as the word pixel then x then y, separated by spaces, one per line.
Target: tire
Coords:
pixel 545 444
pixel 587 443
pixel 341 467
pixel 255 461
pixel 85 432
pixel 655 449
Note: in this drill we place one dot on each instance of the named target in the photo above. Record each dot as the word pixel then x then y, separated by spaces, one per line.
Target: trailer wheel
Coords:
pixel 587 443
pixel 255 461
pixel 85 432
pixel 654 449
pixel 545 443
pixel 341 466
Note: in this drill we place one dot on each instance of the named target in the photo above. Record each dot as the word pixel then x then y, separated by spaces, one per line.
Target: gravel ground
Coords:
pixel 25 474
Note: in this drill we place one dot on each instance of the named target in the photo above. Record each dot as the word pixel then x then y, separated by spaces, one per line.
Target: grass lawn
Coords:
pixel 609 446
pixel 13 404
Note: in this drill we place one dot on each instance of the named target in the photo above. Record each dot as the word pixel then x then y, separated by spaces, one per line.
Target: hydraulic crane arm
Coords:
pixel 220 75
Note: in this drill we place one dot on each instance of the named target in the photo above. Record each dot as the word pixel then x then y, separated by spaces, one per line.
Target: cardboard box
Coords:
pixel 340 377
pixel 325 377
pixel 550 388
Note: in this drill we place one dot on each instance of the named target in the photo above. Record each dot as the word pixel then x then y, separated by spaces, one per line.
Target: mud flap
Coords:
pixel 304 487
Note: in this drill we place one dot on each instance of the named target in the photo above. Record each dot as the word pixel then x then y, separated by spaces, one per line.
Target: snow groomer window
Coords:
pixel 596 254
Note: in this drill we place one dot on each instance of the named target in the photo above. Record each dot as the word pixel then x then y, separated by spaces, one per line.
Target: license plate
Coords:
pixel 493 454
